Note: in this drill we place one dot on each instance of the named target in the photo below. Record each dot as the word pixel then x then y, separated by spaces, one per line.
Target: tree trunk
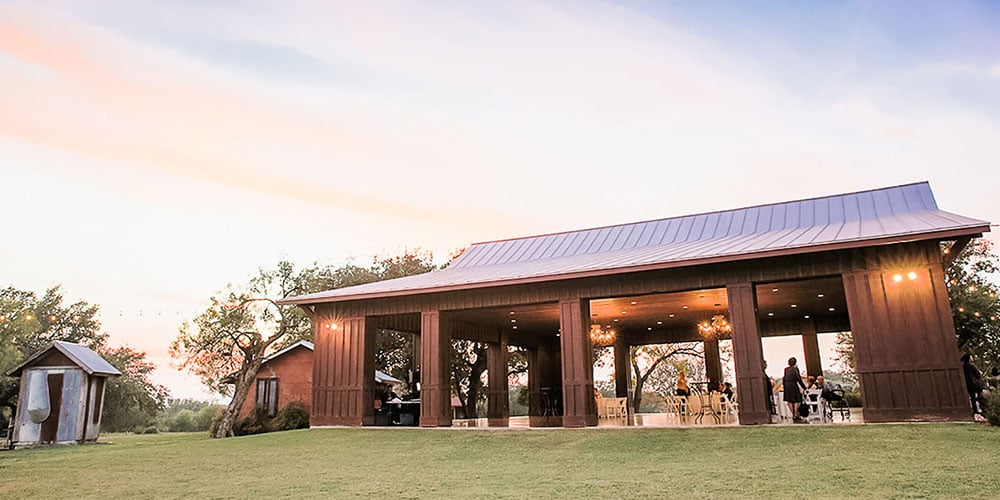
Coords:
pixel 245 381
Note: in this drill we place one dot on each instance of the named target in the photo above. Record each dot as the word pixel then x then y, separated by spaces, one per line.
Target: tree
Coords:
pixel 230 339
pixel 243 324
pixel 972 290
pixel 131 401
pixel 468 364
pixel 646 359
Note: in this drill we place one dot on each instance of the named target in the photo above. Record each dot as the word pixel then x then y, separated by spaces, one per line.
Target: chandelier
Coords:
pixel 716 328
pixel 601 337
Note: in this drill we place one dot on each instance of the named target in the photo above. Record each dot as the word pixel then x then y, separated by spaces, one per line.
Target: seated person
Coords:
pixel 682 385
pixel 394 406
pixel 810 383
pixel 727 389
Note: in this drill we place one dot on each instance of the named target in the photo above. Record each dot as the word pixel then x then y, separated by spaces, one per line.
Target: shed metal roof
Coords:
pixel 83 356
pixel 879 216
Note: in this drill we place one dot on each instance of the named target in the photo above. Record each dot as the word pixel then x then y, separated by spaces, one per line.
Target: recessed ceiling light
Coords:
pixel 806 316
pixel 512 313
pixel 684 307
pixel 820 295
pixel 649 328
pixel 659 322
pixel 671 315
pixel 513 321
pixel 615 320
pixel 774 290
pixel 795 305
pixel 515 327
pixel 770 314
pixel 634 302
pixel 701 296
pixel 832 309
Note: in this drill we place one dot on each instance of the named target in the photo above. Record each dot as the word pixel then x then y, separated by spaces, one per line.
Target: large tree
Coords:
pixel 230 339
pixel 651 363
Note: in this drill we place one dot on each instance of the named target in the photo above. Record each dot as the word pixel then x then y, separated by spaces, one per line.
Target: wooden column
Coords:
pixel 497 391
pixel 579 409
pixel 810 345
pixel 623 367
pixel 435 354
pixel 713 364
pixel 748 353
pixel 343 372
pixel 904 339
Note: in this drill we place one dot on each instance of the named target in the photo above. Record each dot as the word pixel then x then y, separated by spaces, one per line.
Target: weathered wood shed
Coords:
pixel 62 395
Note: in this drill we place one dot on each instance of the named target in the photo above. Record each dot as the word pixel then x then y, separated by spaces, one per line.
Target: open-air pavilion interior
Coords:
pixel 870 263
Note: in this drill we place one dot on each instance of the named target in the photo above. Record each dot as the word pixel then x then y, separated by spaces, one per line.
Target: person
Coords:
pixel 727 389
pixel 768 390
pixel 682 385
pixel 810 383
pixel 974 383
pixel 793 388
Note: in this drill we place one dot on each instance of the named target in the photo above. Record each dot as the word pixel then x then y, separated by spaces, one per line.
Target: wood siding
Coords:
pixel 749 355
pixel 344 372
pixel 579 409
pixel 435 378
pixel 904 339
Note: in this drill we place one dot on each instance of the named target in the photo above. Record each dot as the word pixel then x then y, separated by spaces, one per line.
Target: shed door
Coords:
pixel 51 424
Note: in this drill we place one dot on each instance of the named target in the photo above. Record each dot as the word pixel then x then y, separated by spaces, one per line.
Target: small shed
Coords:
pixel 62 394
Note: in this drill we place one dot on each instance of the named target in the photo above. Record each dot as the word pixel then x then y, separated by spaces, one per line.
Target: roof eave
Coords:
pixel 974 231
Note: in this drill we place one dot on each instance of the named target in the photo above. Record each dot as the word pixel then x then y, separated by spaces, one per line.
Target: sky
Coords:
pixel 152 152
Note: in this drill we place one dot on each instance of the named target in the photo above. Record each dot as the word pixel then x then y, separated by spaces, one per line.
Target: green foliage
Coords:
pixel 294 415
pixel 256 423
pixel 150 430
pixel 655 368
pixel 992 410
pixel 131 400
pixel 187 415
pixel 975 307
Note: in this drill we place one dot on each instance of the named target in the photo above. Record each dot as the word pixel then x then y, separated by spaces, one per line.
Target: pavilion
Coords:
pixel 868 262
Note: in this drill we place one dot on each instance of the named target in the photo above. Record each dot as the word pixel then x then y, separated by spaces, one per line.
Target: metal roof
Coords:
pixel 879 216
pixel 90 361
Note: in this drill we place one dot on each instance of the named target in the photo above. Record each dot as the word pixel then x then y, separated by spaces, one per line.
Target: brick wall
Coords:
pixel 294 370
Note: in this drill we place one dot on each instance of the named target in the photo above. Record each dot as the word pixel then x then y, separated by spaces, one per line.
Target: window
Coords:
pixel 267 395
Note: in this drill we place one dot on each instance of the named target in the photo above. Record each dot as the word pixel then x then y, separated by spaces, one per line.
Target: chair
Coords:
pixel 814 399
pixel 621 407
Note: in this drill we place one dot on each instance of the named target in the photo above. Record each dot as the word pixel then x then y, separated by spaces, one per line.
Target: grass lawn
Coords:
pixel 880 461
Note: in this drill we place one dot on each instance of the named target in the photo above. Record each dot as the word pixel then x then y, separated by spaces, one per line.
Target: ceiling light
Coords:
pixel 615 320
pixel 806 316
pixel 671 315
pixel 820 295
pixel 832 309
pixel 774 290
pixel 633 302
pixel 770 314
pixel 684 307
pixel 897 277
pixel 649 328
pixel 513 321
pixel 659 322
pixel 515 327
pixel 795 305
pixel 912 275
pixel 512 313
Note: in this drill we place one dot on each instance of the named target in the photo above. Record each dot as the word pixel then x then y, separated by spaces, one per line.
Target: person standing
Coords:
pixel 793 388
pixel 974 383
pixel 768 389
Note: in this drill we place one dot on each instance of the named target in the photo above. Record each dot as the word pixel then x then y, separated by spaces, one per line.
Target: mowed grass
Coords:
pixel 873 461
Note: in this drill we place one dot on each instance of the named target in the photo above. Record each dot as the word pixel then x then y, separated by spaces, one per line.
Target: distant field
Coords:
pixel 876 461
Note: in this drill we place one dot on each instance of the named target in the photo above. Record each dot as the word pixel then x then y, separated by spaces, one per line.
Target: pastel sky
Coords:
pixel 152 152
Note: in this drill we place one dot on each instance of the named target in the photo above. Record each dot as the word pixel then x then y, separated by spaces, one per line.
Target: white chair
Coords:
pixel 814 400
pixel 621 407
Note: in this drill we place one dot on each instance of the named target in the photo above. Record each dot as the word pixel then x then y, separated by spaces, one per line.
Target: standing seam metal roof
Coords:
pixel 83 356
pixel 896 213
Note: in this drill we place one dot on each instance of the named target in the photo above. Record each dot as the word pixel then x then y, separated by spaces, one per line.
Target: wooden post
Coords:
pixel 810 345
pixel 435 354
pixel 904 339
pixel 498 393
pixel 713 364
pixel 749 354
pixel 623 368
pixel 579 409
pixel 344 372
